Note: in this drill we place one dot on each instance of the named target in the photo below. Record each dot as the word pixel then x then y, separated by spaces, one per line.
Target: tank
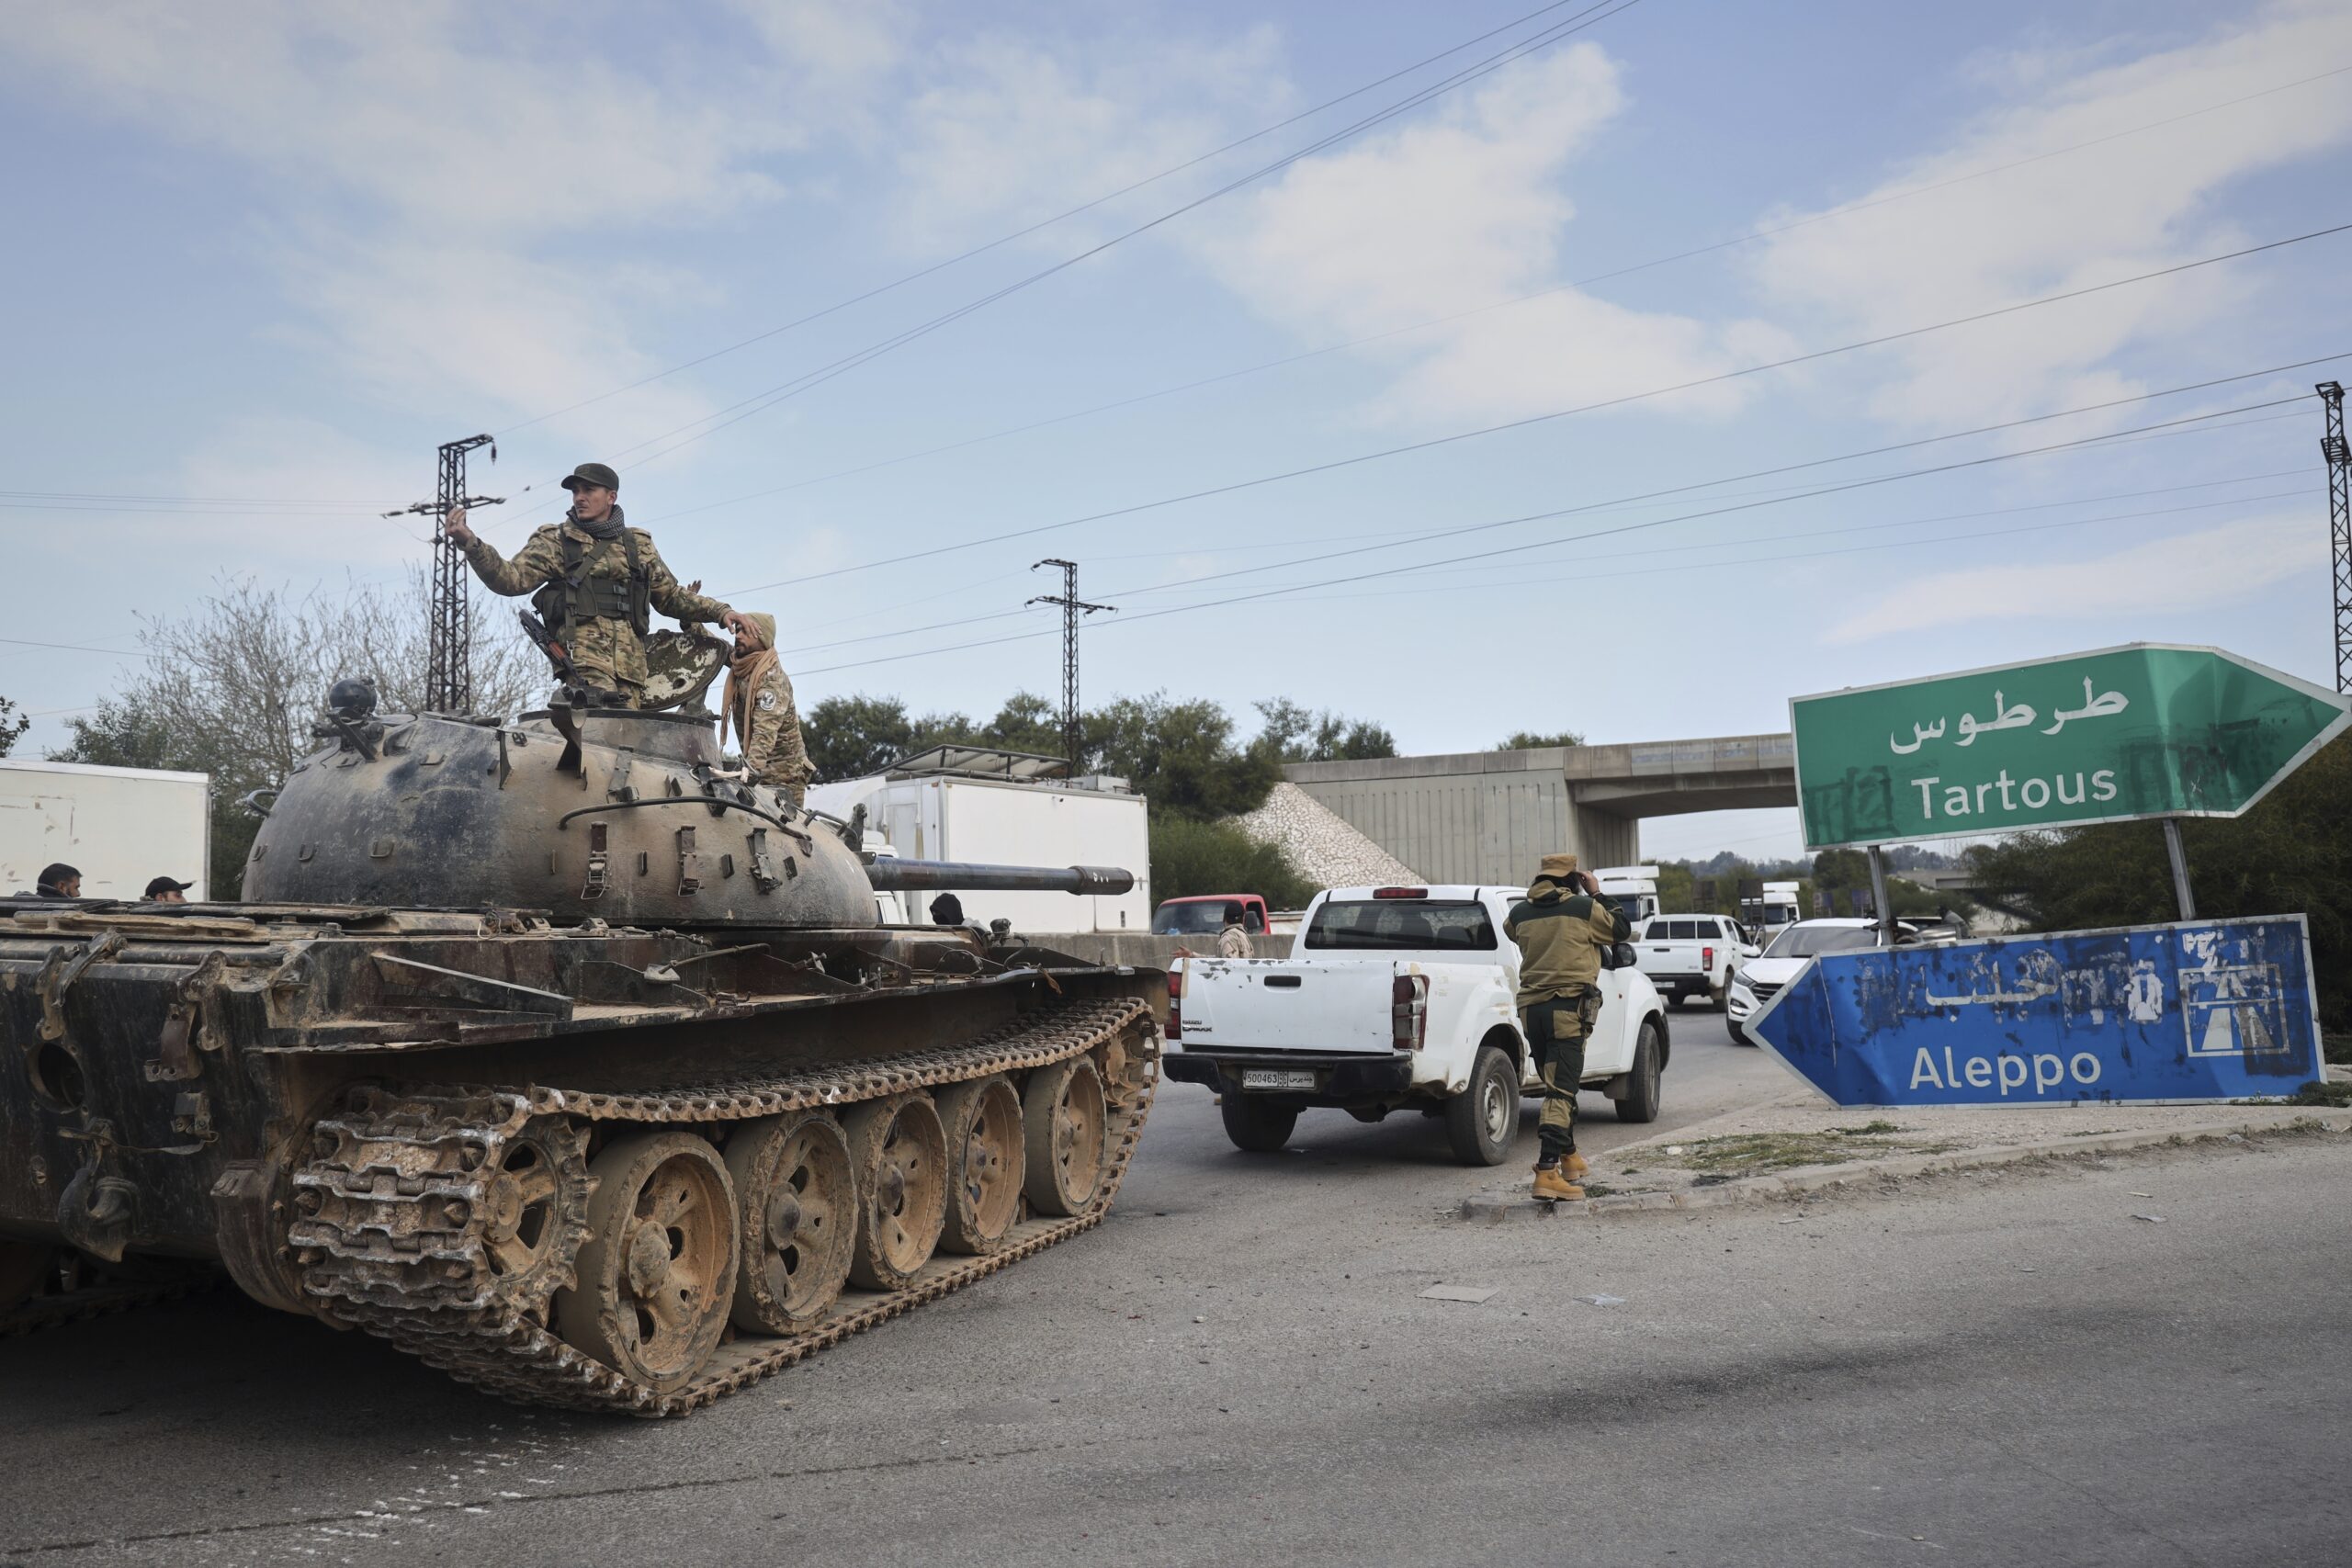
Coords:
pixel 560 1058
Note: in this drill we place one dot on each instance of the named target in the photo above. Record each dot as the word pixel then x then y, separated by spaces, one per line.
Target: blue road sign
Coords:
pixel 2201 1011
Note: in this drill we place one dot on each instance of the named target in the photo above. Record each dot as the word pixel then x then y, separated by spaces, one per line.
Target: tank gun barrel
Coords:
pixel 890 874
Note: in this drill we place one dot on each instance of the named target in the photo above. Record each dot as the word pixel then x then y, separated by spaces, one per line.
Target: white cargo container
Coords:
pixel 121 827
pixel 942 815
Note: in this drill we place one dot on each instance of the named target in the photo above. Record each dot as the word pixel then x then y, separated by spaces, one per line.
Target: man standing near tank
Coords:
pixel 597 579
pixel 1562 927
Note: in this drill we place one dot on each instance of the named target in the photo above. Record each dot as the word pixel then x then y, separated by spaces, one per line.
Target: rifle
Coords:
pixel 544 639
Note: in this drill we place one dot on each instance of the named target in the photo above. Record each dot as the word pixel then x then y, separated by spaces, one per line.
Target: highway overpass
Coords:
pixel 1490 815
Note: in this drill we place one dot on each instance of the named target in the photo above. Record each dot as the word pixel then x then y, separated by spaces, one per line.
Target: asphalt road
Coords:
pixel 1239 1366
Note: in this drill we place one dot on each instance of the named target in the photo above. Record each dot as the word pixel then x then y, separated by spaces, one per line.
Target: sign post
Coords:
pixel 2180 892
pixel 2182 1012
pixel 2120 734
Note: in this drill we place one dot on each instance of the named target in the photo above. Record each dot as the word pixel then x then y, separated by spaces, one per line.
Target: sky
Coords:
pixel 1629 370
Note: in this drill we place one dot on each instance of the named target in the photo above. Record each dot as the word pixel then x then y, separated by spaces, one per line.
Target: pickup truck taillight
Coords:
pixel 1408 1011
pixel 1176 1003
pixel 1707 959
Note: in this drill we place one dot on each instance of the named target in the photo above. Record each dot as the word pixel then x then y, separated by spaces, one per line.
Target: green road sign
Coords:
pixel 2124 733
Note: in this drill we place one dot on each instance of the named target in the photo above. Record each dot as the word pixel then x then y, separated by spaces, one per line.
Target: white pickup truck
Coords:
pixel 1396 996
pixel 1691 955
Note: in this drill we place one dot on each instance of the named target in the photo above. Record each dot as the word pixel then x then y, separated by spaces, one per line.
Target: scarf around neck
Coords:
pixel 744 673
pixel 604 532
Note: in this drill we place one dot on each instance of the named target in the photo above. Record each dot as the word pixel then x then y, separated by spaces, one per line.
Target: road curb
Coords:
pixel 1493 1208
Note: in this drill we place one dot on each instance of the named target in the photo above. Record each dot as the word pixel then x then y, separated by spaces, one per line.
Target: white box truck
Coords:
pixel 1006 822
pixel 121 827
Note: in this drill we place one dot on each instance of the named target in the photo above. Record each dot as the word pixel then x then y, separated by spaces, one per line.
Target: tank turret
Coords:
pixel 610 814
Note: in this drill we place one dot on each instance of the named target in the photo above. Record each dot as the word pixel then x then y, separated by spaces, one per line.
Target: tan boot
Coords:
pixel 1572 1167
pixel 1551 1185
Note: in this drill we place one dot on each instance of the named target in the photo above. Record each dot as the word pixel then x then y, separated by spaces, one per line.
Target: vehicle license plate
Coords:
pixel 1276 1078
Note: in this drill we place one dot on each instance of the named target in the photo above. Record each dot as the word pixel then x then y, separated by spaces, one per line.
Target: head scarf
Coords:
pixel 744 673
pixel 605 531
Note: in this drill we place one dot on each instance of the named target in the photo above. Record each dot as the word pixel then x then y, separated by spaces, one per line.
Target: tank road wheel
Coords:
pixel 900 1152
pixel 986 1157
pixel 535 1210
pixel 1067 1135
pixel 799 1220
pixel 657 1271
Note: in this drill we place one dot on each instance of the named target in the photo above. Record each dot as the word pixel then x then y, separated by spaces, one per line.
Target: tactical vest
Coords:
pixel 575 596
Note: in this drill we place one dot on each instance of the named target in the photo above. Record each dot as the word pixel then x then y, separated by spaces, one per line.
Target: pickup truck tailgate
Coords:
pixel 1279 1005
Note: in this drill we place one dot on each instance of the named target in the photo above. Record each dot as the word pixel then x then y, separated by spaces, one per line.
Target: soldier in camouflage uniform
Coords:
pixel 1561 927
pixel 593 580
pixel 758 707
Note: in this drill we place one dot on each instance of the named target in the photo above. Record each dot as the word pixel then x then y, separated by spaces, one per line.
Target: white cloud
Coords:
pixel 2136 204
pixel 1463 207
pixel 2187 571
pixel 1013 132
pixel 433 154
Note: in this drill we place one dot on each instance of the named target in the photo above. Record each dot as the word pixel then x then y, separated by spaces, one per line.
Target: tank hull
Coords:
pixel 168 1079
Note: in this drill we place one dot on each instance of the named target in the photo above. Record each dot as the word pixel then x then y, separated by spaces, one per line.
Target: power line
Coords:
pixel 1044 223
pixel 1846 209
pixel 1594 533
pixel 1814 534
pixel 1620 402
pixel 1878 451
pixel 759 401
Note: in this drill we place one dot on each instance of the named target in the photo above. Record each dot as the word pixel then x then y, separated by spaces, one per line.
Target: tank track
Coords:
pixel 395 1243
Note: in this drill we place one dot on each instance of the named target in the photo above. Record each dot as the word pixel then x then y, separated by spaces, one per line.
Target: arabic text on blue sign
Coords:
pixel 2201 1011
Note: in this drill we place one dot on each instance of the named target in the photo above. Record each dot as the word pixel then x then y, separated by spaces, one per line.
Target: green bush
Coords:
pixel 1190 857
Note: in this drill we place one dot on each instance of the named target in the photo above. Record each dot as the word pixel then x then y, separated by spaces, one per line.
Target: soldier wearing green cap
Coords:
pixel 595 580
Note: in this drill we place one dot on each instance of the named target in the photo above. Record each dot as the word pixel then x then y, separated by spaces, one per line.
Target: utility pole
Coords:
pixel 1072 607
pixel 2339 517
pixel 449 670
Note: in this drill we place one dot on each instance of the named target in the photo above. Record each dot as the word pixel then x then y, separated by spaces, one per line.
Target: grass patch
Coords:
pixel 1750 1154
pixel 2336 1047
pixel 2333 1093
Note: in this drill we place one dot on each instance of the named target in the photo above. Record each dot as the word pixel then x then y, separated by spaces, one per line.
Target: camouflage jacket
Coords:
pixel 541 561
pixel 1560 936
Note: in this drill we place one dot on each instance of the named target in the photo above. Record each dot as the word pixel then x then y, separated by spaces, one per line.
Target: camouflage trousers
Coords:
pixel 1556 1034
pixel 609 655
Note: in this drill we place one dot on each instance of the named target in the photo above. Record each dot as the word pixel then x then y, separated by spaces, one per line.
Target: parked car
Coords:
pixel 1395 998
pixel 1759 978
pixel 1688 956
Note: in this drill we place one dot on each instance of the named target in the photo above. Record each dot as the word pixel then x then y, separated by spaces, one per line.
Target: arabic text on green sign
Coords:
pixel 2129 732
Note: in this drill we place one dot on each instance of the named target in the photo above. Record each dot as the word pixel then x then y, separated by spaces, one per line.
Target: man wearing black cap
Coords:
pixel 163 890
pixel 596 578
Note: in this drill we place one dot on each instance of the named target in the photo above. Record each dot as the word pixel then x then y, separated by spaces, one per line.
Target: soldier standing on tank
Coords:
pixel 1561 927
pixel 758 707
pixel 594 580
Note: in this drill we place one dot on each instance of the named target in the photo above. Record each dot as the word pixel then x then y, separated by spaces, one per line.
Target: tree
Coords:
pixel 13 725
pixel 1181 754
pixel 1290 733
pixel 234 689
pixel 1026 722
pixel 1528 741
pixel 850 738
pixel 2291 854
